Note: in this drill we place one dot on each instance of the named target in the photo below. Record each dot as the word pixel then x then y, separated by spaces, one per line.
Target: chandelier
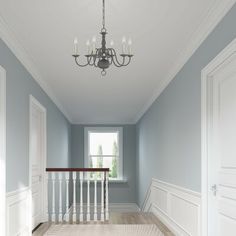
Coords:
pixel 104 56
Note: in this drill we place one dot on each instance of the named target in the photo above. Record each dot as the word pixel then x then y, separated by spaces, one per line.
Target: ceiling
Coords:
pixel 160 29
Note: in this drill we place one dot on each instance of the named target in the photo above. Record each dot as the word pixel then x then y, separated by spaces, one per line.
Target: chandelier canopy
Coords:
pixel 104 56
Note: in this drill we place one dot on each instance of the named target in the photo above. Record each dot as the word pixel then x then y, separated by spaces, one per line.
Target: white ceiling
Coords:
pixel 161 30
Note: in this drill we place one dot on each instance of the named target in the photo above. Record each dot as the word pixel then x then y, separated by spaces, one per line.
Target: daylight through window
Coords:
pixel 104 150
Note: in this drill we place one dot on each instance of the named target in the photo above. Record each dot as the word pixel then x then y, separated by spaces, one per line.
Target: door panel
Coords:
pixel 222 163
pixel 36 142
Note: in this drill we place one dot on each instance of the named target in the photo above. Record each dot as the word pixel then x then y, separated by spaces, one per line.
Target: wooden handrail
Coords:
pixel 77 169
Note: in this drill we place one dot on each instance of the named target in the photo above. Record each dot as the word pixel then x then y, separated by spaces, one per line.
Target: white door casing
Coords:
pixel 37 176
pixel 219 144
pixel 2 151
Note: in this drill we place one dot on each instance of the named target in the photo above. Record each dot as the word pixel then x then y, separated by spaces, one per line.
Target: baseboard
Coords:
pixel 18 212
pixel 124 207
pixel 113 207
pixel 178 208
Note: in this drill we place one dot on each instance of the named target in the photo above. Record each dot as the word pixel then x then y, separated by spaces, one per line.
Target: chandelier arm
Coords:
pixel 96 57
pixel 95 63
pixel 129 60
pixel 89 59
pixel 81 65
pixel 115 59
pixel 115 62
pixel 124 63
pixel 109 52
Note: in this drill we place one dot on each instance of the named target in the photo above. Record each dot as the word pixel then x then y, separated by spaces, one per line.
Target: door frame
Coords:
pixel 206 123
pixel 35 102
pixel 3 150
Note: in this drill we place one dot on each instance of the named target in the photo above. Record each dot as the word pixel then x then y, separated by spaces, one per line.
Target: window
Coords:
pixel 103 149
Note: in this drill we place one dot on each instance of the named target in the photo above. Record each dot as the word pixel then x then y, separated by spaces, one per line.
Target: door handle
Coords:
pixel 40 178
pixel 214 189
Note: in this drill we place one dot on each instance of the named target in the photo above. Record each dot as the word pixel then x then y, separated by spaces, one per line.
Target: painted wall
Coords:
pixel 20 85
pixel 119 192
pixel 169 134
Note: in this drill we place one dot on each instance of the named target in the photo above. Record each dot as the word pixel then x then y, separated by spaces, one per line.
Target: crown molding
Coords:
pixel 7 35
pixel 213 17
pixel 112 123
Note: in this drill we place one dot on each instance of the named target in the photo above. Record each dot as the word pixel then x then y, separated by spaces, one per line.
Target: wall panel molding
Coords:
pixel 18 212
pixel 179 208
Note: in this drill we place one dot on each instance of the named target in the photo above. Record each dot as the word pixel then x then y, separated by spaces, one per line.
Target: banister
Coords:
pixel 55 178
pixel 77 169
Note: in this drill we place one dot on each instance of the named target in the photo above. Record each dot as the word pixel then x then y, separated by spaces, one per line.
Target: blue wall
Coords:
pixel 19 85
pixel 165 143
pixel 118 192
pixel 169 134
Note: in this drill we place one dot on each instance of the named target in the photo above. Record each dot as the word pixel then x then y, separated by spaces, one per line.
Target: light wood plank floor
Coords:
pixel 122 218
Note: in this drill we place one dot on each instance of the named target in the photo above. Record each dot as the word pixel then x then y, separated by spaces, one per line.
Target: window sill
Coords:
pixel 118 181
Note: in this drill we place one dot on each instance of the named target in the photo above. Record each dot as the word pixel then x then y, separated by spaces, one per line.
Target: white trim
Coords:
pixel 147 204
pixel 105 130
pixel 177 207
pixel 7 35
pixel 18 212
pixel 17 192
pixel 178 188
pixel 113 207
pixel 206 107
pixel 207 25
pixel 2 151
pixel 34 102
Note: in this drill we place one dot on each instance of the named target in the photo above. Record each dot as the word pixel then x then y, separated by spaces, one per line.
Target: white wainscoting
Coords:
pixel 18 212
pixel 177 207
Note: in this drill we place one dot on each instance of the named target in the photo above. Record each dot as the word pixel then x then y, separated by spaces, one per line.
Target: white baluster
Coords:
pixel 53 176
pixel 107 210
pixel 95 217
pixel 74 198
pixel 88 196
pixel 102 196
pixel 67 177
pixel 46 197
pixel 60 197
pixel 81 218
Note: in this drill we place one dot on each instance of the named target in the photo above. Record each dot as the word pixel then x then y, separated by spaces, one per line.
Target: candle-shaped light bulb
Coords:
pixel 94 39
pixel 124 39
pixel 124 45
pixel 76 46
pixel 94 44
pixel 112 43
pixel 88 46
pixel 129 46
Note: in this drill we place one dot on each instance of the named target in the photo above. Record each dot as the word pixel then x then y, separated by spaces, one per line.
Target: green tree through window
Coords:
pixel 100 159
pixel 113 172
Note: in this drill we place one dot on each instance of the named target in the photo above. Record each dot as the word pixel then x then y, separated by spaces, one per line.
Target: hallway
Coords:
pixel 123 218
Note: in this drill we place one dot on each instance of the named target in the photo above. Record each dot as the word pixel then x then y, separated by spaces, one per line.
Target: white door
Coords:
pixel 222 150
pixel 2 150
pixel 37 142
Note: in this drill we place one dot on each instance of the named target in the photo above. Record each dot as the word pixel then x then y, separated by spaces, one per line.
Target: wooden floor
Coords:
pixel 122 218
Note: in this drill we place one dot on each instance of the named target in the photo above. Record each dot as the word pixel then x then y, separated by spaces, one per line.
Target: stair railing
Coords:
pixel 63 186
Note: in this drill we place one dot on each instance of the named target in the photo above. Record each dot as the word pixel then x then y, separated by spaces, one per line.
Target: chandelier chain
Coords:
pixel 103 14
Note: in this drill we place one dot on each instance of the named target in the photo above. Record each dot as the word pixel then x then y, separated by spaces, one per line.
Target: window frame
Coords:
pixel 98 129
